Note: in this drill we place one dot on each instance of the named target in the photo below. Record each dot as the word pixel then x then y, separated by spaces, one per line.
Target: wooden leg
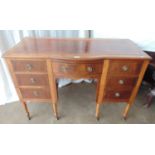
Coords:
pixel 55 110
pixel 126 110
pixel 97 111
pixel 97 89
pixel 55 105
pixel 101 87
pixel 97 104
pixel 53 87
pixel 26 109
pixel 135 90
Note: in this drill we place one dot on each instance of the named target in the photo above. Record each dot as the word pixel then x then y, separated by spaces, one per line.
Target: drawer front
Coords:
pixel 32 80
pixel 121 95
pixel 29 65
pixel 76 69
pixel 124 67
pixel 35 93
pixel 121 82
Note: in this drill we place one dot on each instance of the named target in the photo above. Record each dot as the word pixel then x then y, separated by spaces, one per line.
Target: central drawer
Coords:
pixel 87 69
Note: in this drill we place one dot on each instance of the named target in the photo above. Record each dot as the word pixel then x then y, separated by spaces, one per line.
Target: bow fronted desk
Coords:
pixel 118 65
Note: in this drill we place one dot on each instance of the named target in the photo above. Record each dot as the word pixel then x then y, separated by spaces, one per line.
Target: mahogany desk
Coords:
pixel 36 63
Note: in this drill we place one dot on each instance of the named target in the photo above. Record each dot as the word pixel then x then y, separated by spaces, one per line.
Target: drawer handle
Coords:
pixel 35 93
pixel 117 94
pixel 29 67
pixel 64 68
pixel 32 80
pixel 89 69
pixel 121 82
pixel 125 68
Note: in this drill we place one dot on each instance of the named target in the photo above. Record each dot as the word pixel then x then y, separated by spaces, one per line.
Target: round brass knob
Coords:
pixel 121 82
pixel 32 80
pixel 64 68
pixel 117 94
pixel 35 93
pixel 125 68
pixel 89 69
pixel 29 67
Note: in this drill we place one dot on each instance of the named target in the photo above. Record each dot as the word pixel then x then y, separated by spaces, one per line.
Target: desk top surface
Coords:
pixel 76 49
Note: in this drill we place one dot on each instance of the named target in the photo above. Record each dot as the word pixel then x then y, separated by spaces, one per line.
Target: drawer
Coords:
pixel 77 69
pixel 121 95
pixel 124 67
pixel 29 65
pixel 35 93
pixel 121 82
pixel 32 79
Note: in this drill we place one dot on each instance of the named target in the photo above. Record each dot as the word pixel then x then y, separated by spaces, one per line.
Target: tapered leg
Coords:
pixel 135 90
pixel 53 87
pixel 97 89
pixel 101 87
pixel 55 102
pixel 97 111
pixel 26 109
pixel 55 110
pixel 97 95
pixel 126 111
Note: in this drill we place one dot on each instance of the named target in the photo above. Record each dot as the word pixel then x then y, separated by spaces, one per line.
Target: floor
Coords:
pixel 77 105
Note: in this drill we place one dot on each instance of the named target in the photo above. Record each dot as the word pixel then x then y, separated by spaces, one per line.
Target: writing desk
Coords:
pixel 36 63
